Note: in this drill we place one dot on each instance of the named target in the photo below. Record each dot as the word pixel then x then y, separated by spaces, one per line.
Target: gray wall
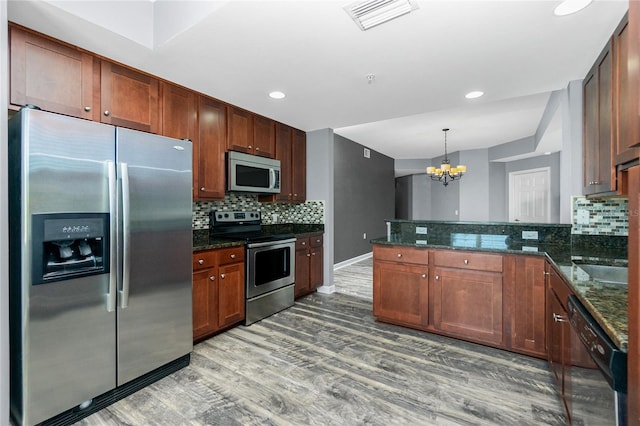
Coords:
pixel 4 224
pixel 445 200
pixel 474 186
pixel 364 196
pixel 413 197
pixel 320 187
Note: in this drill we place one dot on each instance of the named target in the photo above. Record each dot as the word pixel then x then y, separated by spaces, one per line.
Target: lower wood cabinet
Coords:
pixel 487 298
pixel 528 333
pixel 309 259
pixel 218 290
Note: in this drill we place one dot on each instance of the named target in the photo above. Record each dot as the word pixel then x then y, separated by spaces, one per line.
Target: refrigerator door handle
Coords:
pixel 126 236
pixel 113 260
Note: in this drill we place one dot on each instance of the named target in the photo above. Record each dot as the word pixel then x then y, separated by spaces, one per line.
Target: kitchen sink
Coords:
pixel 606 274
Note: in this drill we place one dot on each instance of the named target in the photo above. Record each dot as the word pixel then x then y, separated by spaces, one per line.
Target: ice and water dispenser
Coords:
pixel 69 245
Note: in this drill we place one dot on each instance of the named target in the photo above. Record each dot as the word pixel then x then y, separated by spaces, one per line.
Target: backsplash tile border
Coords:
pixel 607 216
pixel 309 212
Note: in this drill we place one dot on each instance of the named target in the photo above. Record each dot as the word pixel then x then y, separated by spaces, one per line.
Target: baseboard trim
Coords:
pixel 327 289
pixel 352 261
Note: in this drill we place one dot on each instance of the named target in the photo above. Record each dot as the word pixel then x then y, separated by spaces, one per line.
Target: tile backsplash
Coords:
pixel 307 212
pixel 600 216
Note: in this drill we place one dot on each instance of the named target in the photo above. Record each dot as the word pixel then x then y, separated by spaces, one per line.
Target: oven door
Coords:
pixel 270 266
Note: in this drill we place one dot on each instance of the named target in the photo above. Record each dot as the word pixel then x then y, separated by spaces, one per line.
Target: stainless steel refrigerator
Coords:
pixel 100 263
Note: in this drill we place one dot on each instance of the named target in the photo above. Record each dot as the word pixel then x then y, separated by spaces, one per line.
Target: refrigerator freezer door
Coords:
pixel 154 315
pixel 62 333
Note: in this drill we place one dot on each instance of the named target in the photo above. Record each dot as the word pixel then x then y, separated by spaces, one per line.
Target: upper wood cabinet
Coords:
pixel 633 72
pixel 624 97
pixel 299 166
pixel 598 129
pixel 179 112
pixel 209 151
pixel 51 75
pixel 264 136
pixel 128 98
pixel 250 133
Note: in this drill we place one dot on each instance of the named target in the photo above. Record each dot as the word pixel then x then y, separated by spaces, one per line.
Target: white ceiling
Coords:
pixel 517 52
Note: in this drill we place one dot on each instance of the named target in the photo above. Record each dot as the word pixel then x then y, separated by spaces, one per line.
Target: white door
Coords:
pixel 529 196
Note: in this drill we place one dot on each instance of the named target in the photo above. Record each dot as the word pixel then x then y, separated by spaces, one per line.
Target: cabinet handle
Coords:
pixel 295 195
pixel 304 243
pixel 313 254
pixel 317 241
pixel 87 108
pixel 233 256
pixel 546 273
pixel 595 182
pixel 424 275
pixel 308 255
pixel 222 276
pixel 107 113
pixel 249 146
pixel 212 278
pixel 257 148
pixel 399 254
pixel 437 277
pixel 466 261
pixel 202 189
pixel 559 318
pixel 200 261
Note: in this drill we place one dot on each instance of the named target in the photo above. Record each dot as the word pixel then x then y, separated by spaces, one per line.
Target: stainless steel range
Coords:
pixel 270 261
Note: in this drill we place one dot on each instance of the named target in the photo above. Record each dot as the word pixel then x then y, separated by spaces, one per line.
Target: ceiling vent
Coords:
pixel 369 13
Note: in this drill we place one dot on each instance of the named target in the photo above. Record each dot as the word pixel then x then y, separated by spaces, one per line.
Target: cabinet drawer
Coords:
pixel 401 254
pixel 559 287
pixel 302 243
pixel 204 259
pixel 316 241
pixel 231 255
pixel 468 260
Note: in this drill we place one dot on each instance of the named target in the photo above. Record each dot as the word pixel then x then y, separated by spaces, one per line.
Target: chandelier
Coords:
pixel 445 173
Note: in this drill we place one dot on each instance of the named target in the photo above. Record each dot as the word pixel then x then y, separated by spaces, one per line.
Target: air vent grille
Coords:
pixel 369 13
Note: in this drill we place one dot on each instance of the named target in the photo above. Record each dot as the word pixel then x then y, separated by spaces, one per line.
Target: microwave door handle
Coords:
pixel 126 237
pixel 272 178
pixel 113 260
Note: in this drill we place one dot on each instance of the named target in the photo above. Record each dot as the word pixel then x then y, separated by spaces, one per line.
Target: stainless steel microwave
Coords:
pixel 250 173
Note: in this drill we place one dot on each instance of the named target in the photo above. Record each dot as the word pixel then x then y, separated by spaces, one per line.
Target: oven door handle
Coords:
pixel 271 243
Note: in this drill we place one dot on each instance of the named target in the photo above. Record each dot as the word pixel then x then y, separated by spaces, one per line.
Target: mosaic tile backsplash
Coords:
pixel 272 213
pixel 600 216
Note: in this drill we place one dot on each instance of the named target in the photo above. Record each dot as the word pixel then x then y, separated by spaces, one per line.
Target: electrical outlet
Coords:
pixel 421 242
pixel 367 153
pixel 582 217
pixel 529 235
pixel 364 236
pixel 421 230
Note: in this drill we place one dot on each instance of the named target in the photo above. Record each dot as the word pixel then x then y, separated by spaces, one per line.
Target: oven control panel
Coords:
pixel 236 216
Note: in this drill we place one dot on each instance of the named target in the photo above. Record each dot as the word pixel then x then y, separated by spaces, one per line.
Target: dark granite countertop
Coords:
pixel 606 302
pixel 201 240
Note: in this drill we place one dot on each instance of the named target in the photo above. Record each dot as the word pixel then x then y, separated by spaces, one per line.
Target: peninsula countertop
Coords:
pixel 606 302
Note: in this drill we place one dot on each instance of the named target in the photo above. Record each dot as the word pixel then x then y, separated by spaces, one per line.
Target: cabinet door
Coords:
pixel 299 165
pixel 623 96
pixel 529 305
pixel 179 112
pixel 283 153
pixel 557 353
pixel 468 304
pixel 633 70
pixel 634 292
pixel 315 268
pixel 401 293
pixel 50 75
pixel 129 98
pixel 231 294
pixel 599 173
pixel 302 272
pixel 239 130
pixel 208 153
pixel 204 302
pixel 264 136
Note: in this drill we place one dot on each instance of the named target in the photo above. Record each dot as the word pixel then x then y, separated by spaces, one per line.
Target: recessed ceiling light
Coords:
pixel 474 94
pixel 276 94
pixel 567 7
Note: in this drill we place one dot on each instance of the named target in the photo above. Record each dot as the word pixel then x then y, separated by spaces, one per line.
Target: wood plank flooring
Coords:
pixel 325 361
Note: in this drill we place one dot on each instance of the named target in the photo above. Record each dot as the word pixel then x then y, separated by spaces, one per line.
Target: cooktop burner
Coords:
pixel 242 225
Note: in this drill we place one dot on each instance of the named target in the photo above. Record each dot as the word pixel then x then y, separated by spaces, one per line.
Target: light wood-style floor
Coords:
pixel 326 361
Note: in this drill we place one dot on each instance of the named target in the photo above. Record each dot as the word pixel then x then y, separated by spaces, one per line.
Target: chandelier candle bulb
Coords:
pixel 446 173
pixel 431 170
pixel 462 169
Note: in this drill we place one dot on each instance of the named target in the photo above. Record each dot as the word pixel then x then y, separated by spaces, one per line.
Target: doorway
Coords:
pixel 529 195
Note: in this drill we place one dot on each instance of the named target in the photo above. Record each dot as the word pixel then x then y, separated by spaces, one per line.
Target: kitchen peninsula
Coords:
pixel 490 283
